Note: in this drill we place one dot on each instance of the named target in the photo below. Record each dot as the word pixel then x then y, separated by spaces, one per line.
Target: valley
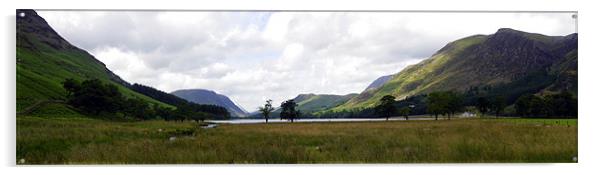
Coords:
pixel 509 96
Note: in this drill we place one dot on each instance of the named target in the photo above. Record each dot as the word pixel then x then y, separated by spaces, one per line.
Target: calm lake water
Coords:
pixel 251 121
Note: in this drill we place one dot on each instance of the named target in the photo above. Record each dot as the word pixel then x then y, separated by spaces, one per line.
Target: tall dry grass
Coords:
pixel 87 141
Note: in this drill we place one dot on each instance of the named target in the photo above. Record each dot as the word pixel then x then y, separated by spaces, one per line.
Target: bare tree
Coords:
pixel 266 109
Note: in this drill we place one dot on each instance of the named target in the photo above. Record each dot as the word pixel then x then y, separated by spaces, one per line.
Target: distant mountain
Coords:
pixel 310 103
pixel 202 96
pixel 45 60
pixel 520 62
pixel 379 82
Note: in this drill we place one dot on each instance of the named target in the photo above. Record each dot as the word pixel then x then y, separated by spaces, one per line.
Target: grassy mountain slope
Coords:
pixel 501 58
pixel 379 82
pixel 310 103
pixel 45 59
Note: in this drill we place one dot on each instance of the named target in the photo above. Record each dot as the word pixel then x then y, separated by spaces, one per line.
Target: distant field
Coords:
pixel 77 140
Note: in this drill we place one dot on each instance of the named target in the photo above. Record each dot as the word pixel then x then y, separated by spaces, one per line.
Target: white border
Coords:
pixel 589 86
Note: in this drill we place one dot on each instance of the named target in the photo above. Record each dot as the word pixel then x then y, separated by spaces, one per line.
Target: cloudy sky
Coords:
pixel 253 56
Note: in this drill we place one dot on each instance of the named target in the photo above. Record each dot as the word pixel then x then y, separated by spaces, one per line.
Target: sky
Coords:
pixel 254 56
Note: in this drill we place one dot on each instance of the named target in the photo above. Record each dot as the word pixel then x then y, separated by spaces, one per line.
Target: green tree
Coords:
pixel 436 104
pixel 288 110
pixel 93 96
pixel 498 104
pixel 562 104
pixel 531 105
pixel 199 116
pixel 483 105
pixel 181 112
pixel 266 109
pixel 386 108
pixel 537 106
pixel 165 113
pixel 523 105
pixel 405 111
pixel 71 86
pixel 137 108
pixel 454 103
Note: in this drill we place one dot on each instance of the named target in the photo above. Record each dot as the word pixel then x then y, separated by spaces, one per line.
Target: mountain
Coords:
pixel 202 96
pixel 45 59
pixel 310 103
pixel 379 82
pixel 518 61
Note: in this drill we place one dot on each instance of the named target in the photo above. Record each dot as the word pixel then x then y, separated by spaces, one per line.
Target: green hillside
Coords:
pixel 45 59
pixel 310 103
pixel 506 57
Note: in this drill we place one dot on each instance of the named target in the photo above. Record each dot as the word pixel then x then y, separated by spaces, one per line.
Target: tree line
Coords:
pixel 562 104
pixel 94 97
pixel 475 100
pixel 448 103
pixel 158 95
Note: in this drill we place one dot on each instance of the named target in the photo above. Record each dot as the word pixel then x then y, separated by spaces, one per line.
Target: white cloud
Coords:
pixel 252 56
pixel 277 26
pixel 125 63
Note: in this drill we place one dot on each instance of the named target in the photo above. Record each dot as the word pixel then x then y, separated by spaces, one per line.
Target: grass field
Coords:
pixel 78 140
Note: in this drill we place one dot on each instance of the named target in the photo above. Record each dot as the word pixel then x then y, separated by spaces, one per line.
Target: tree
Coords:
pixel 71 86
pixel 266 110
pixel 93 96
pixel 165 113
pixel 138 109
pixel 436 104
pixel 288 110
pixel 483 105
pixel 562 104
pixel 298 114
pixel 530 105
pixel 454 103
pixel 199 116
pixel 498 104
pixel 537 106
pixel 386 108
pixel 405 111
pixel 216 112
pixel 181 112
pixel 523 104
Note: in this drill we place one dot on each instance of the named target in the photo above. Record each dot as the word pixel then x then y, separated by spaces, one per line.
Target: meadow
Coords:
pixel 80 140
